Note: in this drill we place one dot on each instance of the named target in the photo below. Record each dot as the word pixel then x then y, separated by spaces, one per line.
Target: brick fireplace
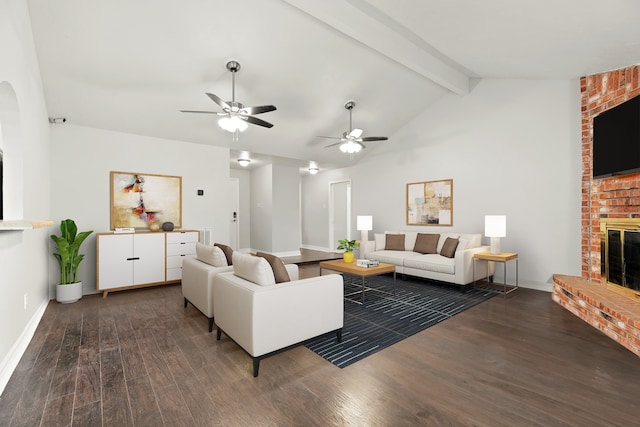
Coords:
pixel 616 315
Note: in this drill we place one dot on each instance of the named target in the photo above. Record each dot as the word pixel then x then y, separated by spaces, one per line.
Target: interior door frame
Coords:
pixel 331 210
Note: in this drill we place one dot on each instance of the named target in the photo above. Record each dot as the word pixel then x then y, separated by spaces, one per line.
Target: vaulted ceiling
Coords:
pixel 130 66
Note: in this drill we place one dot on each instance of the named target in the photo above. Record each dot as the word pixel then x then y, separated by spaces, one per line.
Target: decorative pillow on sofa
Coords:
pixel 255 269
pixel 280 272
pixel 211 255
pixel 449 247
pixel 228 252
pixel 394 242
pixel 426 243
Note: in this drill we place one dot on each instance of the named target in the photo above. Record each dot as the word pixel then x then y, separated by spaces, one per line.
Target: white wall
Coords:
pixel 24 255
pixel 285 219
pixel 261 209
pixel 511 147
pixel 82 190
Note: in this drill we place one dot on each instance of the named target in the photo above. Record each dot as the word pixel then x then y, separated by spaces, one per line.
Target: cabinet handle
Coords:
pixel 183 255
pixel 133 259
pixel 183 243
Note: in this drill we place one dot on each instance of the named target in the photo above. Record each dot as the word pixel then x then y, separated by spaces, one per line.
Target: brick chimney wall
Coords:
pixel 612 197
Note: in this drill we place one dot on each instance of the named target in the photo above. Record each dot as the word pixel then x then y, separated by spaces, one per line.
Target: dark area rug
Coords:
pixel 390 314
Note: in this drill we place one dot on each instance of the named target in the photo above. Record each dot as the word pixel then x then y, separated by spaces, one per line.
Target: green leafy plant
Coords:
pixel 348 245
pixel 68 245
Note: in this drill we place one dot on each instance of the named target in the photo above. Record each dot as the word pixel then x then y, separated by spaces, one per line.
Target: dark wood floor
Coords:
pixel 139 358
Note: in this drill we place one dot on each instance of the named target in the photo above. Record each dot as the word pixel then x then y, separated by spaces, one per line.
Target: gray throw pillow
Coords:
pixel 426 243
pixel 394 242
pixel 449 247
pixel 228 252
pixel 279 270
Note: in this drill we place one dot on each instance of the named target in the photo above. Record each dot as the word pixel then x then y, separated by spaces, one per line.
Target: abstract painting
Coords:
pixel 430 203
pixel 144 201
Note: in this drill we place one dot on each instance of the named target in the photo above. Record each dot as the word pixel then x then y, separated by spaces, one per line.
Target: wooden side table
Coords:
pixel 502 257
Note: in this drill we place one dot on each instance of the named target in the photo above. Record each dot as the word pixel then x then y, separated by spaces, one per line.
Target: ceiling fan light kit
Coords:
pixel 351 141
pixel 235 116
pixel 351 147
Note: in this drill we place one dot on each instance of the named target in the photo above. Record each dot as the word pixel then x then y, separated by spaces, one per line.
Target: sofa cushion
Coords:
pixel 391 257
pixel 449 247
pixel 410 240
pixel 394 242
pixel 279 270
pixel 255 269
pixel 211 255
pixel 426 243
pixel 228 252
pixel 380 240
pixel 475 240
pixel 431 262
pixel 443 238
pixel 462 244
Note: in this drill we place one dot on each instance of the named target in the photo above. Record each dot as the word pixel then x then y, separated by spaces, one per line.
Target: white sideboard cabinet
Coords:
pixel 180 245
pixel 133 260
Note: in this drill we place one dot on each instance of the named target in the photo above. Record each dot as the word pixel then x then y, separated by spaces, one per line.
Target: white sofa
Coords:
pixel 197 279
pixel 457 270
pixel 264 317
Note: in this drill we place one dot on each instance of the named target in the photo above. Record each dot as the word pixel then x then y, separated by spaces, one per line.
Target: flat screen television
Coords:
pixel 616 140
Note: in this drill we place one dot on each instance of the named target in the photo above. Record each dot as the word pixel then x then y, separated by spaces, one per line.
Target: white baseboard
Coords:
pixel 12 359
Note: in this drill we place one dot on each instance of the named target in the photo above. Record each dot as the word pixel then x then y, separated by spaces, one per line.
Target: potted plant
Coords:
pixel 348 246
pixel 68 245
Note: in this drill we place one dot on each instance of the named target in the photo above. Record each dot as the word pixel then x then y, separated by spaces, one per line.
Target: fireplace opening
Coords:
pixel 620 255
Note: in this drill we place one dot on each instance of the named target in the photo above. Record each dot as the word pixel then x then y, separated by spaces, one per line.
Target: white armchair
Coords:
pixel 268 318
pixel 197 285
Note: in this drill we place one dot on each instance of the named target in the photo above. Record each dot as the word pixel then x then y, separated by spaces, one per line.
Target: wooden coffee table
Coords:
pixel 351 268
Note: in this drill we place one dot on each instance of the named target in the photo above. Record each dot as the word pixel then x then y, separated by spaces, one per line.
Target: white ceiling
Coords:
pixel 130 66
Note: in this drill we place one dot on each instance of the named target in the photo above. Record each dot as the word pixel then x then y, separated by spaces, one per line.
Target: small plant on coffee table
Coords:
pixel 348 246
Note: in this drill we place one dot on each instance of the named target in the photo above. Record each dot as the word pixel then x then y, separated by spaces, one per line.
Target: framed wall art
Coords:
pixel 141 201
pixel 430 203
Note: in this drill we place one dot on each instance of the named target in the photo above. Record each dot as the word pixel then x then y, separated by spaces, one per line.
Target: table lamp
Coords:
pixel 364 224
pixel 495 226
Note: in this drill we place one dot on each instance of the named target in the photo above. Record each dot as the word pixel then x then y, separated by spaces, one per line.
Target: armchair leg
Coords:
pixel 339 335
pixel 218 334
pixel 185 303
pixel 210 324
pixel 256 366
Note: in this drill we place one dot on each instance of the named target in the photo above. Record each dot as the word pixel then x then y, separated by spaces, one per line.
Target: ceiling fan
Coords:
pixel 352 141
pixel 235 115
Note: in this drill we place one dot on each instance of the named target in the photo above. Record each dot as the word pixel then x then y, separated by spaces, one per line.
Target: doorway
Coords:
pixel 339 212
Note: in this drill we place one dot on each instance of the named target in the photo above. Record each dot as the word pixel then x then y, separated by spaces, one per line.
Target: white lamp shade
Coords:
pixel 495 225
pixel 364 223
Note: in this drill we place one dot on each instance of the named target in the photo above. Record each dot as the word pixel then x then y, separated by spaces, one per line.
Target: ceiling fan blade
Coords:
pixel 195 111
pixel 375 138
pixel 329 137
pixel 258 110
pixel 256 121
pixel 356 133
pixel 333 145
pixel 218 100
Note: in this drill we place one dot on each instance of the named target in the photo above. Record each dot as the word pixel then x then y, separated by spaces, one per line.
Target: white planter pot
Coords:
pixel 69 293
